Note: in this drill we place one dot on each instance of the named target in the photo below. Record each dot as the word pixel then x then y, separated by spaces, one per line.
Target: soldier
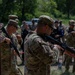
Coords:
pixel 58 32
pixel 24 32
pixel 12 67
pixel 70 41
pixel 18 32
pixel 38 53
pixel 33 26
pixel 71 26
pixel 15 17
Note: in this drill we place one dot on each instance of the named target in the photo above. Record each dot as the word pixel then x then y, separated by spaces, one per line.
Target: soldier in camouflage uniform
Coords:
pixel 8 63
pixel 38 53
pixel 4 54
pixel 18 32
pixel 70 41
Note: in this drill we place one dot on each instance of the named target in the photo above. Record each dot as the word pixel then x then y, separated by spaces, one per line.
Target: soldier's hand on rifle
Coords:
pixel 15 53
pixel 57 36
pixel 7 40
pixel 19 39
pixel 73 33
pixel 61 50
pixel 59 47
pixel 69 53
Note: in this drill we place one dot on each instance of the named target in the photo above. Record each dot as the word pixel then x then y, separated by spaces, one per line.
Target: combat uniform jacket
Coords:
pixel 70 41
pixel 8 61
pixel 38 56
pixel 5 58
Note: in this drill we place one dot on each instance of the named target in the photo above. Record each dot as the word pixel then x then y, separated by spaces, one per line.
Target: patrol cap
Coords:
pixel 13 17
pixel 12 23
pixel 56 21
pixel 46 20
pixel 23 22
pixel 71 22
pixel 17 20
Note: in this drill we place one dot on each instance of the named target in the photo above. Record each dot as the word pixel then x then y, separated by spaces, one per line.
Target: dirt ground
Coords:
pixel 54 69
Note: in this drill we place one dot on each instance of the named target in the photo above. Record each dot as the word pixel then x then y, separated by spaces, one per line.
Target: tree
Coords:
pixel 69 7
pixel 0 1
pixel 6 8
pixel 66 6
pixel 47 5
pixel 19 7
pixel 26 6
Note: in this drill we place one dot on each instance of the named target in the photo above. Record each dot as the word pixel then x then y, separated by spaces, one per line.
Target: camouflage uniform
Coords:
pixel 14 69
pixel 8 61
pixel 70 40
pixel 38 56
pixel 5 58
pixel 18 32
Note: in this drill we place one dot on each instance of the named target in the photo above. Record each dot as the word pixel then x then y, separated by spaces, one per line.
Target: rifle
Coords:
pixel 12 44
pixel 63 45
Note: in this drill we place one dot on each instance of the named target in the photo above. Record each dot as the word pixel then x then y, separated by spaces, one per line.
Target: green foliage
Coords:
pixel 57 13
pixel 28 16
pixel 6 8
pixel 62 71
pixel 66 6
pixel 27 9
pixel 20 7
pixel 38 13
pixel 47 5
pixel 0 1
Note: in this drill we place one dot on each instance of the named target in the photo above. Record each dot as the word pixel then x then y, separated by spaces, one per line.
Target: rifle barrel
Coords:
pixel 64 46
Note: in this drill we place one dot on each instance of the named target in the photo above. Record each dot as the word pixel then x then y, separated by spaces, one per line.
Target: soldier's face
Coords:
pixel 13 29
pixel 56 24
pixel 48 30
pixel 72 26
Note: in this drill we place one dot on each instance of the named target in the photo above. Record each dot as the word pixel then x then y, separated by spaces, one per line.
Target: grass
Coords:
pixel 56 71
pixel 59 72
pixel 65 20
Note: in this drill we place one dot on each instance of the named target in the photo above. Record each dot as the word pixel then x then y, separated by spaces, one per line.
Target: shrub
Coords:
pixel 57 13
pixel 28 16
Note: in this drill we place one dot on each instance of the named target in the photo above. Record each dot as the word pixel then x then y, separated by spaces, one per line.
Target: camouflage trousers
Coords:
pixel 6 65
pixel 68 61
pixel 42 70
pixel 10 72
